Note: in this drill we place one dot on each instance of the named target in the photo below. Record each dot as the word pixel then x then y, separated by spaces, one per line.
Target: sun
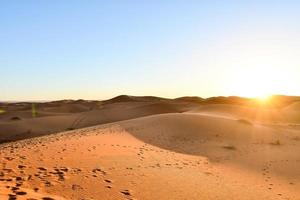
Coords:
pixel 255 83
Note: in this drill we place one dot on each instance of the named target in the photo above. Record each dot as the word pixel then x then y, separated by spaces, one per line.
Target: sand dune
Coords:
pixel 55 120
pixel 190 99
pixel 259 114
pixel 72 108
pixel 127 98
pixel 17 121
pixel 174 156
pixel 150 148
pixel 294 107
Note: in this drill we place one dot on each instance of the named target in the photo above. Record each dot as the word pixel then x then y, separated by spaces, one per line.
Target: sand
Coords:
pixel 60 116
pixel 187 154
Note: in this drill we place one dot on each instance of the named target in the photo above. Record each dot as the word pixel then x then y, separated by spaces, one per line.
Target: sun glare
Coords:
pixel 256 83
pixel 263 99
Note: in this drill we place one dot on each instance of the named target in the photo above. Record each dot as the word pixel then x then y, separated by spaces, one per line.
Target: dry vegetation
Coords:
pixel 229 147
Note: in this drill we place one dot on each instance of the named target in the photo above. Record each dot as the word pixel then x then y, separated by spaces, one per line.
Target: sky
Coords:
pixel 59 49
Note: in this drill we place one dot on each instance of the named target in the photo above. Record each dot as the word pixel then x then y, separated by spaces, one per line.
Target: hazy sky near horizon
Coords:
pixel 98 49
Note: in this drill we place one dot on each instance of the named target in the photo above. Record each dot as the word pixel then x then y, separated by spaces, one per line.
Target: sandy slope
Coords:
pixel 294 107
pixel 63 117
pixel 17 121
pixel 287 115
pixel 167 156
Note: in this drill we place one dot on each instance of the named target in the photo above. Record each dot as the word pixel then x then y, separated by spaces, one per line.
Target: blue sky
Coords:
pixel 99 49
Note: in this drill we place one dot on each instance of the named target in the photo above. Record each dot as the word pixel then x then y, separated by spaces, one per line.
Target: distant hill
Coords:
pixel 228 100
pixel 127 98
pixel 192 99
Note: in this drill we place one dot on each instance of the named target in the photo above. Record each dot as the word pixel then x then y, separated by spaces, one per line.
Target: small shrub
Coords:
pixel 15 118
pixel 229 147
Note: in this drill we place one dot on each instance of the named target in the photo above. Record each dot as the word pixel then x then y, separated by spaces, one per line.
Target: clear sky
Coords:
pixel 56 49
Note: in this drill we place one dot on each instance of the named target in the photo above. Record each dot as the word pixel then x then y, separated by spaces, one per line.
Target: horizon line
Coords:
pixel 76 99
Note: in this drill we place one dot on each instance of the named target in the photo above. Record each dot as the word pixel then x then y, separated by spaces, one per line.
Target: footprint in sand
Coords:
pixel 98 170
pixel 127 194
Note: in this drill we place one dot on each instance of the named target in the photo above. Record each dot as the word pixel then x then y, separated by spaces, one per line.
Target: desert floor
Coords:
pixel 189 154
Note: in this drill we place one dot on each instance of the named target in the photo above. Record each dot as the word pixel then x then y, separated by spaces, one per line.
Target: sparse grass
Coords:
pixel 245 121
pixel 229 147
pixel 276 143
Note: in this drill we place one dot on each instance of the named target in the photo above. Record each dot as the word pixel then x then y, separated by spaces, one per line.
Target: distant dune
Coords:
pixel 17 121
pixel 294 107
pixel 126 98
pixel 56 117
pixel 258 114
pixel 190 99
